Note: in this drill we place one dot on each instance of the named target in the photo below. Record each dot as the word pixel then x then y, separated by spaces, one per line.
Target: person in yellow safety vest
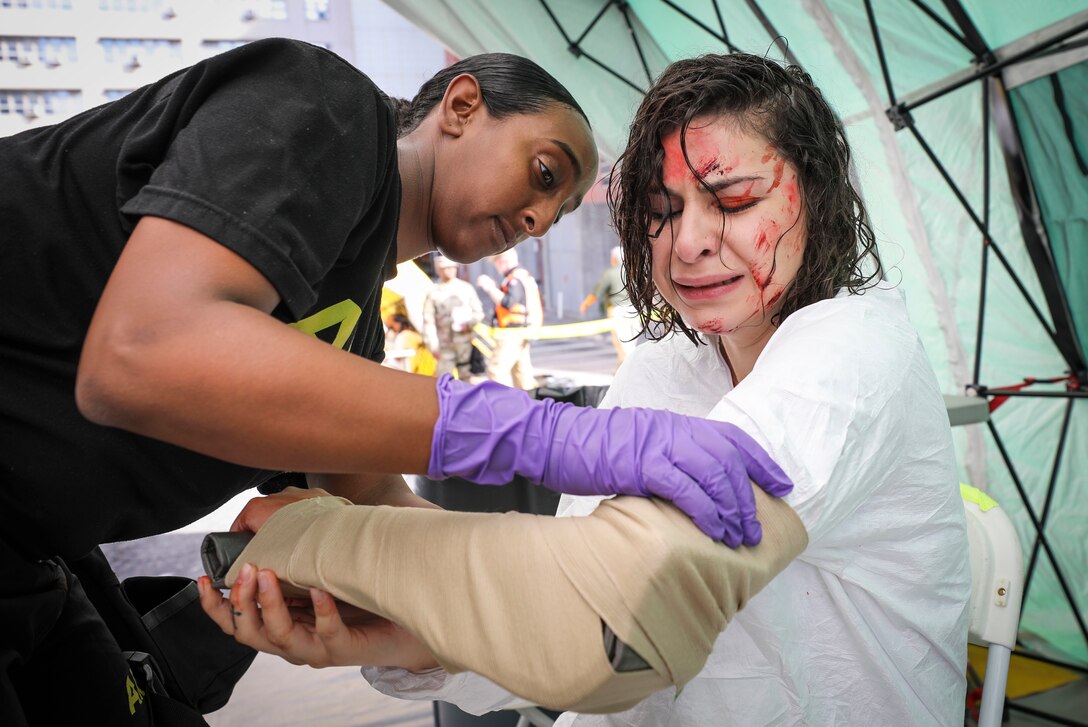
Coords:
pixel 517 309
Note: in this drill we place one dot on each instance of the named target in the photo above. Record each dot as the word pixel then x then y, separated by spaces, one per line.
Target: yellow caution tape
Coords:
pixel 562 330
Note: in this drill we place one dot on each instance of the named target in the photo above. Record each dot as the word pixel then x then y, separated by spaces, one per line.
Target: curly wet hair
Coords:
pixel 782 105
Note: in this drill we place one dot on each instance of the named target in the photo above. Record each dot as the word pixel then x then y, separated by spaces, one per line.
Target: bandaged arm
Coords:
pixel 520 598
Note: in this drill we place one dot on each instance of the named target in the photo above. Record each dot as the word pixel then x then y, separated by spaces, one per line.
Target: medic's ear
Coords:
pixel 462 100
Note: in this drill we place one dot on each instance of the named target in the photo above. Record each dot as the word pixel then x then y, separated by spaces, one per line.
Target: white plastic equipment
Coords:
pixel 997 585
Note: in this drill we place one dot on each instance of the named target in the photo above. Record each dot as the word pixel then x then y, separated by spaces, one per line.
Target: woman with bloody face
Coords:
pixel 181 259
pixel 747 244
pixel 745 239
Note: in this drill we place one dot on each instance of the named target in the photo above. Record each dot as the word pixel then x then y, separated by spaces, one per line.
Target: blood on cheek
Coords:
pixel 761 280
pixel 779 168
pixel 790 190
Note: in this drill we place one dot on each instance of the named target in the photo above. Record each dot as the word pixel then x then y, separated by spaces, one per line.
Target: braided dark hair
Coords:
pixel 781 104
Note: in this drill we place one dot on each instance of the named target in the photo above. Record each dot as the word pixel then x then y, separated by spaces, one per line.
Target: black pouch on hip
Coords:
pixel 193 660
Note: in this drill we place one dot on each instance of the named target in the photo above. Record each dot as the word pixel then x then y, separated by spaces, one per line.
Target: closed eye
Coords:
pixel 734 206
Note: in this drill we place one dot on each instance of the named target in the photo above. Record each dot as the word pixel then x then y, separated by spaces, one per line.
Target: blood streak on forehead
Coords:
pixel 674 168
pixel 702 150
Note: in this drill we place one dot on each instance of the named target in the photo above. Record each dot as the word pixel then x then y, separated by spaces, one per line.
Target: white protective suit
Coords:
pixel 867 627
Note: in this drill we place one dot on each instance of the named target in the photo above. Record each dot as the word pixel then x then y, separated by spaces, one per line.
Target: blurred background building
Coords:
pixel 61 57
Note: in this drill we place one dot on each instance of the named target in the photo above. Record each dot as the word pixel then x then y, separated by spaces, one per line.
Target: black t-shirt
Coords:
pixel 279 150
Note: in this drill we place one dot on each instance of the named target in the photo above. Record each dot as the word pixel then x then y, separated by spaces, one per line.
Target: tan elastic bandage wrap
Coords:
pixel 520 598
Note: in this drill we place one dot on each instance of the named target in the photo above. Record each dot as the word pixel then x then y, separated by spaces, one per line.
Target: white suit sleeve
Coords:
pixel 469 692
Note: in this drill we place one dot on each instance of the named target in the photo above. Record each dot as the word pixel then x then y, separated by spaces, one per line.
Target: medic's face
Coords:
pixel 512 178
pixel 724 255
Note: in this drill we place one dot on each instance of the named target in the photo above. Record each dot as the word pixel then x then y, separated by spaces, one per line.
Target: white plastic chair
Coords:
pixel 997 586
pixel 533 717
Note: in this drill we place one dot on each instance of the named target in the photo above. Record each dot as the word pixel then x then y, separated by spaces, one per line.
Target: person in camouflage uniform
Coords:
pixel 450 310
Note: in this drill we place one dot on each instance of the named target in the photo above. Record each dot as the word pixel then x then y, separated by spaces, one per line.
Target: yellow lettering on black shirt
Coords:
pixel 344 314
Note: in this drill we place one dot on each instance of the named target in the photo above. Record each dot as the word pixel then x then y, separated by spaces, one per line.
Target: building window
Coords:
pixel 112 94
pixel 131 53
pixel 131 6
pixel 317 9
pixel 264 10
pixel 37 104
pixel 37 4
pixel 26 51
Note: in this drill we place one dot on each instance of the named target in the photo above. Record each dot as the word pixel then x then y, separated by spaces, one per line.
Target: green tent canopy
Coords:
pixel 969 123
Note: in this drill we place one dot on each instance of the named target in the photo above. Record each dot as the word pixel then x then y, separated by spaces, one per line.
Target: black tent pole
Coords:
pixel 1048 500
pixel 592 23
pixel 721 23
pixel 576 49
pixel 984 268
pixel 978 223
pixel 991 69
pixel 941 22
pixel 700 24
pixel 880 53
pixel 638 46
pixel 1033 231
pixel 1040 538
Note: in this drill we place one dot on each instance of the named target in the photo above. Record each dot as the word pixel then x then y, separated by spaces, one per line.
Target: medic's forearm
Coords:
pixel 231 382
pixel 182 348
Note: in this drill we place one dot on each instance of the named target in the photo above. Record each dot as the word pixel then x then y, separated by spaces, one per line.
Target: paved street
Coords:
pixel 276 693
pixel 588 361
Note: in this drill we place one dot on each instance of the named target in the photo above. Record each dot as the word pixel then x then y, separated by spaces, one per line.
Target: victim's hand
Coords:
pixel 259 509
pixel 323 632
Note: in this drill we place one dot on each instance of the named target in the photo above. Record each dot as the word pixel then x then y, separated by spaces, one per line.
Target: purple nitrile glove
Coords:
pixel 488 433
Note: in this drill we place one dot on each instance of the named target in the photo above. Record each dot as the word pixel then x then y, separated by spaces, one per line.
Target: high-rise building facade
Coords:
pixel 59 57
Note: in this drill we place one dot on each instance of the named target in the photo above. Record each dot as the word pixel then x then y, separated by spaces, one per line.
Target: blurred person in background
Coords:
pixel 405 348
pixel 518 311
pixel 450 310
pixel 611 294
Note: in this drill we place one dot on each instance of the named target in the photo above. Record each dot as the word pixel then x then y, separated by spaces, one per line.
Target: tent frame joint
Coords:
pixel 900 117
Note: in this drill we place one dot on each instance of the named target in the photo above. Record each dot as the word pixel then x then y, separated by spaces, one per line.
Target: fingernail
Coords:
pixel 245 574
pixel 263 581
pixel 317 596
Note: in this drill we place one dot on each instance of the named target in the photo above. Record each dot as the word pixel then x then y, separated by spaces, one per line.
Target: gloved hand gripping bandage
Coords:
pixel 489 433
pixel 521 598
